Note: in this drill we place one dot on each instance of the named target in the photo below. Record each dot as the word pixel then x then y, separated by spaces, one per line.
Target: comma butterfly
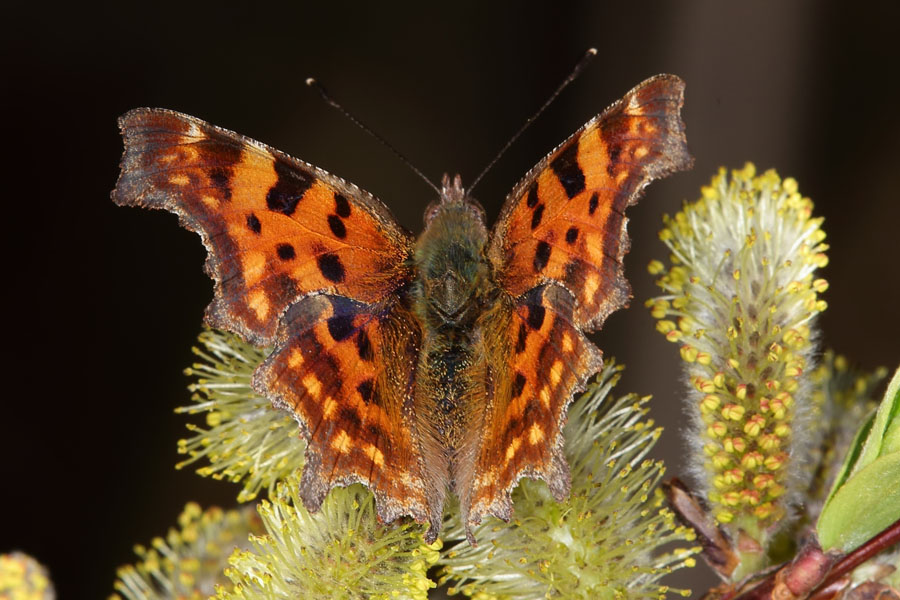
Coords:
pixel 414 365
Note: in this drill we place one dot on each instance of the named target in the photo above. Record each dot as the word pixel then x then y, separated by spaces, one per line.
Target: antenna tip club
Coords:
pixel 311 81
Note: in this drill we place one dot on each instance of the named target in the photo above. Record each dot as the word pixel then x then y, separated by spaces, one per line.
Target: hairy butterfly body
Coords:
pixel 415 366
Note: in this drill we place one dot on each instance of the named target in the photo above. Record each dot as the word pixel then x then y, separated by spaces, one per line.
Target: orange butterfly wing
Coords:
pixel 276 228
pixel 565 221
pixel 347 369
pixel 544 358
pixel 310 263
pixel 557 249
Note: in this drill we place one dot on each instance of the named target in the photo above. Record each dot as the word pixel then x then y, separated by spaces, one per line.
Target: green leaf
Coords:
pixel 852 457
pixel 865 498
pixel 884 426
pixel 891 441
pixel 868 503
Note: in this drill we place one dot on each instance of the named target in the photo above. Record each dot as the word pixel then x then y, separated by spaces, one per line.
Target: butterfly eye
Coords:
pixel 431 211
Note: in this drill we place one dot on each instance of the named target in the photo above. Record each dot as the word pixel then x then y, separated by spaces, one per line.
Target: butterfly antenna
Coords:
pixel 335 104
pixel 579 67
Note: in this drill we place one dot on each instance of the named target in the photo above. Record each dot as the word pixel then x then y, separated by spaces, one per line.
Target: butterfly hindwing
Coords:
pixel 565 221
pixel 548 360
pixel 276 228
pixel 343 369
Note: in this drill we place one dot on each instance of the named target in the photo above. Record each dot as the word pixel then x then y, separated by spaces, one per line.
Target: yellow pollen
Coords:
pixel 342 442
pixel 179 179
pixel 535 434
pixel 258 302
pixel 312 385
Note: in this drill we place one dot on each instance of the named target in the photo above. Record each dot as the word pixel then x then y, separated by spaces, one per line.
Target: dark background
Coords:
pixel 104 303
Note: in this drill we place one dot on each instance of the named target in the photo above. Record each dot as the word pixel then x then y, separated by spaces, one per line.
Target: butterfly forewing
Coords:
pixel 565 221
pixel 275 227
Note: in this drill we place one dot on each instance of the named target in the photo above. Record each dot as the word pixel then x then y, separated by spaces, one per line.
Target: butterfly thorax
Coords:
pixel 451 270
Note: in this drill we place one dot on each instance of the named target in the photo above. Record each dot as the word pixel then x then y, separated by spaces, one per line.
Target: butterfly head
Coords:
pixel 453 196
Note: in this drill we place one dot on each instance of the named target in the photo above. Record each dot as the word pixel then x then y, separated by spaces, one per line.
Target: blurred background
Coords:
pixel 105 302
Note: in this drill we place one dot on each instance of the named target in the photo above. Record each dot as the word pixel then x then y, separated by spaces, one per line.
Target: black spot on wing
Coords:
pixel 592 205
pixel 349 418
pixel 366 389
pixel 571 235
pixel 253 224
pixel 331 267
pixel 532 411
pixel 341 206
pixel 337 226
pixel 340 327
pixel 536 314
pixel 518 385
pixel 566 168
pixel 532 200
pixel 289 188
pixel 613 164
pixel 285 252
pixel 536 216
pixel 364 346
pixel 512 430
pixel 541 255
pixel 220 177
pixel 520 341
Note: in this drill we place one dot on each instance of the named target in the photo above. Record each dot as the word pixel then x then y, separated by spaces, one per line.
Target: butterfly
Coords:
pixel 415 365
